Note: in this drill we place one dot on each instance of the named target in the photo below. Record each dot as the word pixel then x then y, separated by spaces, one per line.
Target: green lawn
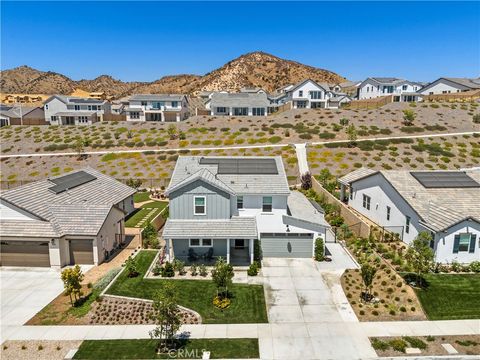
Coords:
pixel 451 296
pixel 141 196
pixel 248 303
pixel 145 349
pixel 156 205
pixel 134 218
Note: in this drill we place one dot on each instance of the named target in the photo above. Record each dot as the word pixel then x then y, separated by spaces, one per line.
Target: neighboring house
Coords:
pixel 21 115
pixel 238 104
pixel 220 205
pixel 30 99
pixel 252 90
pixel 99 95
pixel 69 110
pixel 400 89
pixel 309 94
pixel 77 218
pixel 444 203
pixel 347 87
pixel 451 85
pixel 157 107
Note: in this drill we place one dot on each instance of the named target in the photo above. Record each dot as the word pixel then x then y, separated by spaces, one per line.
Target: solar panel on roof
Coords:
pixel 243 166
pixel 70 181
pixel 444 179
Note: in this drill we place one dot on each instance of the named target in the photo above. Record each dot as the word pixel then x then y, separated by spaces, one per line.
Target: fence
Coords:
pixel 356 224
pixel 157 222
pixel 462 96
pixel 114 117
pixel 369 103
pixel 28 121
pixel 201 111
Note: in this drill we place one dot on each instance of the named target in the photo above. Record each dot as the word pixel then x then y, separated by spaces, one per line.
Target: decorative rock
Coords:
pixel 450 349
pixel 412 351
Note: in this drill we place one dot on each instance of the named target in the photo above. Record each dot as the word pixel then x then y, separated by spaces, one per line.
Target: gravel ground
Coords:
pixel 50 350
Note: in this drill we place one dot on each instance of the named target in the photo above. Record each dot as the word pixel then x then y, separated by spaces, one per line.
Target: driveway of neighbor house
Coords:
pixel 308 310
pixel 24 292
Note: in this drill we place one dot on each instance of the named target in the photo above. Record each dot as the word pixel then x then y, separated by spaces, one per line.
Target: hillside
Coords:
pixel 253 69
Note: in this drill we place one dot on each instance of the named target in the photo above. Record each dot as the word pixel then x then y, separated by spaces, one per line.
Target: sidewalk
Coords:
pixel 301 150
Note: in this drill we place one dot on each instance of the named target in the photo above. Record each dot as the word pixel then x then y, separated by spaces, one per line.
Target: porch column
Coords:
pixel 167 252
pixel 170 245
pixel 342 192
pixel 228 251
pixel 177 117
pixel 250 247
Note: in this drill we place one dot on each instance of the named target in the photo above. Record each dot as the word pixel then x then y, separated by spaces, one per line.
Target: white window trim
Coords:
pixel 267 212
pixel 200 243
pixel 204 206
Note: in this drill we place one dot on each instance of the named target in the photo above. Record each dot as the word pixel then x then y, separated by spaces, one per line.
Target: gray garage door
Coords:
pixel 81 251
pixel 24 253
pixel 288 245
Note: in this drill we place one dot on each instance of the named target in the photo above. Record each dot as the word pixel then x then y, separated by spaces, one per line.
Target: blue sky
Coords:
pixel 146 40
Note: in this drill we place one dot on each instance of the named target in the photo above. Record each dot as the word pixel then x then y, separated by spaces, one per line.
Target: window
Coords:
pixel 194 242
pixel 258 111
pixel 76 107
pixel 200 242
pixel 388 212
pixel 240 111
pixel 301 104
pixel 199 205
pixel 315 95
pixel 53 118
pixel 239 202
pixel 221 109
pixel 174 104
pixel 206 242
pixel 300 93
pixel 404 87
pixel 144 103
pixel 464 242
pixel 366 201
pixel 46 107
pixel 267 204
pixel 135 115
pixel 407 224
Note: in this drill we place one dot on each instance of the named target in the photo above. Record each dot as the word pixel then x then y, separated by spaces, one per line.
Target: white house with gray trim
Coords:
pixel 72 110
pixel 77 218
pixel 309 94
pixel 157 107
pixel 401 90
pixel 219 206
pixel 238 104
pixel 450 86
pixel 444 203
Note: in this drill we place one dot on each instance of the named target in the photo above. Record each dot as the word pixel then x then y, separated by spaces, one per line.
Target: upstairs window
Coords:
pixel 174 104
pixel 76 107
pixel 239 202
pixel 315 95
pixel 267 204
pixel 366 201
pixel 144 103
pixel 407 224
pixel 199 205
pixel 300 93
pixel 404 87
pixel 388 212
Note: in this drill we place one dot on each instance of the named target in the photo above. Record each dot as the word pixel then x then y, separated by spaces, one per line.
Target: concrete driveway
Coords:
pixel 308 311
pixel 24 292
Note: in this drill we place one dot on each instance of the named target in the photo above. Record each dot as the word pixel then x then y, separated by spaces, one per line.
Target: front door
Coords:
pixel 69 120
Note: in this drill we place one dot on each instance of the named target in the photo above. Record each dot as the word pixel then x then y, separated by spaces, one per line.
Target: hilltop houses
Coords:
pixel 69 110
pixel 400 89
pixel 157 107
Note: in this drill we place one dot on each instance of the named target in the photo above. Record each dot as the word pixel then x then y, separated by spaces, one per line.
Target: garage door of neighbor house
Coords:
pixel 81 251
pixel 288 245
pixel 24 253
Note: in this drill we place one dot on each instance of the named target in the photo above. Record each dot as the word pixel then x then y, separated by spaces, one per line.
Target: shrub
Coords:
pixel 378 344
pixel 476 118
pixel 403 309
pixel 168 270
pixel 415 342
pixel 131 267
pixel 193 270
pixel 202 270
pixel 475 266
pixel 398 345
pixel 253 269
pixel 430 338
pixel 319 249
pixel 179 266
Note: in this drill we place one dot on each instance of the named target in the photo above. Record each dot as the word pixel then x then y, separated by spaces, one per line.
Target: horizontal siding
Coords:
pixel 279 247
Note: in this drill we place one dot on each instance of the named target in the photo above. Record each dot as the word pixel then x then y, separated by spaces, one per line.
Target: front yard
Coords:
pixel 248 303
pixel 189 348
pixel 451 296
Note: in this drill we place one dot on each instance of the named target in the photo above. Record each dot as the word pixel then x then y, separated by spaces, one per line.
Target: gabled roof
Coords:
pixel 355 175
pixel 203 175
pixel 16 111
pixel 75 100
pixel 469 83
pixel 301 209
pixel 301 83
pixel 390 81
pixel 157 97
pixel 239 99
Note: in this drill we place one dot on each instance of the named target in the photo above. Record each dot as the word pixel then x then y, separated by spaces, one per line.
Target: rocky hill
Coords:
pixel 253 69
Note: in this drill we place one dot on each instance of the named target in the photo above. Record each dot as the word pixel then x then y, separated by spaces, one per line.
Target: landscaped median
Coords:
pixel 247 306
pixel 187 349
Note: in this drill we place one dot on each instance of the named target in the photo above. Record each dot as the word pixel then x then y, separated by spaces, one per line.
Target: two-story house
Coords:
pixel 69 110
pixel 157 107
pixel 238 104
pixel 400 89
pixel 219 206
pixel 444 203
pixel 309 94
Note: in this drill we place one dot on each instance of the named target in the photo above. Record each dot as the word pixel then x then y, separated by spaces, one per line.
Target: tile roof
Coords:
pixel 355 175
pixel 27 228
pixel 157 97
pixel 473 83
pixel 241 184
pixel 76 100
pixel 235 227
pixel 205 175
pixel 80 210
pixel 439 208
pixel 302 209
pixel 239 100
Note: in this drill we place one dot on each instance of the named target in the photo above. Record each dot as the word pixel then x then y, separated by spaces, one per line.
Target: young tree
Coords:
pixel 368 274
pixel 79 148
pixel 222 275
pixel 166 315
pixel 306 180
pixel 172 131
pixel 409 116
pixel 351 134
pixel 319 249
pixel 72 282
pixel 420 255
pixel 324 176
pixel 149 234
pixel 134 183
pixel 131 267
